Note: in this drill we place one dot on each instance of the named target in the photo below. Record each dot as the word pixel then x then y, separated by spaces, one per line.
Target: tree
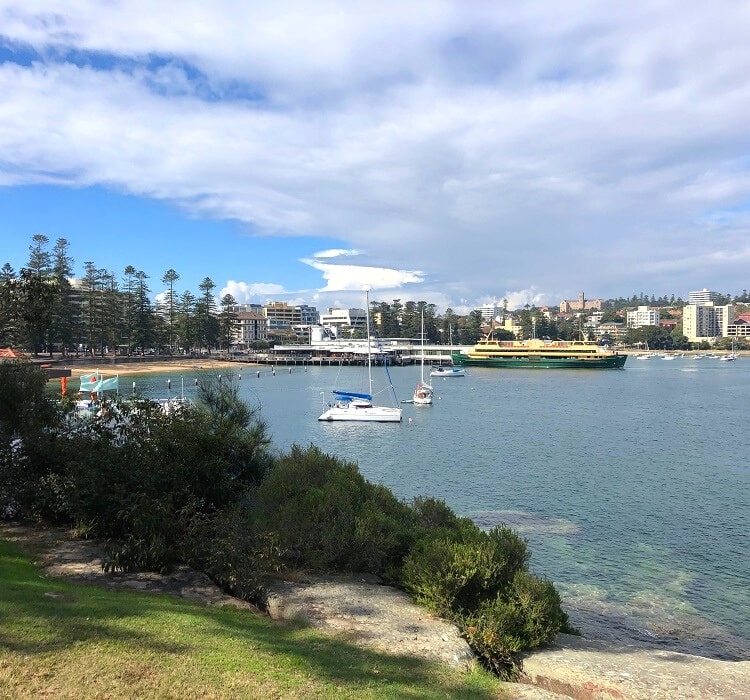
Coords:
pixel 170 277
pixel 64 315
pixel 227 320
pixel 9 321
pixel 40 262
pixel 144 321
pixel 37 293
pixel 206 308
pixel 472 330
pixel 187 326
pixel 35 304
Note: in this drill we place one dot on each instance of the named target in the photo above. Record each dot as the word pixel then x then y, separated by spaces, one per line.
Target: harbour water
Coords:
pixel 632 486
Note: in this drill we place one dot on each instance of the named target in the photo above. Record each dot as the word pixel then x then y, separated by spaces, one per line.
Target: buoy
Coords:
pixel 410 419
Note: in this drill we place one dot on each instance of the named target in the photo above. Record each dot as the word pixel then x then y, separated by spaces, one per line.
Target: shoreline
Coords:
pixel 132 366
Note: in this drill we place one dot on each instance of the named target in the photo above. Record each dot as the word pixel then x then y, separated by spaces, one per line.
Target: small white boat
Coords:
pixel 356 406
pixel 440 371
pixel 423 393
pixel 450 370
pixel 731 357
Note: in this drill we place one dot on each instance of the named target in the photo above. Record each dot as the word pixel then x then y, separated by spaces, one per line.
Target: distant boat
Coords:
pixel 440 371
pixel 536 353
pixel 731 357
pixel 450 371
pixel 423 393
pixel 358 406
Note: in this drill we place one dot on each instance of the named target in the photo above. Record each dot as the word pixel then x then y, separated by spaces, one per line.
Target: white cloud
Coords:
pixel 253 292
pixel 359 277
pixel 335 253
pixel 519 146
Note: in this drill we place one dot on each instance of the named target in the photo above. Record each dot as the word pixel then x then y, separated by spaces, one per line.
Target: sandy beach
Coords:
pixel 124 369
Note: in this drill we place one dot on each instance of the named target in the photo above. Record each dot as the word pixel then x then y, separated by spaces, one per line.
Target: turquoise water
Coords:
pixel 632 486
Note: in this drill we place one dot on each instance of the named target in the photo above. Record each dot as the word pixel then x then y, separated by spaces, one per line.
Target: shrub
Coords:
pixel 328 517
pixel 528 616
pixel 453 571
pixel 28 443
pixel 480 581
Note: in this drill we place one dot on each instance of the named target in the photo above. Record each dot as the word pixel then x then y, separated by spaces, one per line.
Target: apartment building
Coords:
pixel 343 320
pixel 643 316
pixel 704 296
pixel 705 322
pixel 249 326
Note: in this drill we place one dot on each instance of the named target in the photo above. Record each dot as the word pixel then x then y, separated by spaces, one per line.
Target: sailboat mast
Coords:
pixel 369 358
pixel 422 345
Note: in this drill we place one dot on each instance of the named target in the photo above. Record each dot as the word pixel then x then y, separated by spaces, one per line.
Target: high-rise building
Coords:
pixel 702 297
pixel 706 322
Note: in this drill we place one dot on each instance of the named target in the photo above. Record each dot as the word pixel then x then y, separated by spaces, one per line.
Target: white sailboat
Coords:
pixel 358 406
pixel 440 371
pixel 423 393
pixel 731 357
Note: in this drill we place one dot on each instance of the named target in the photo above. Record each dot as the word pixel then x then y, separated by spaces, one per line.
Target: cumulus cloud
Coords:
pixel 359 277
pixel 522 146
pixel 253 292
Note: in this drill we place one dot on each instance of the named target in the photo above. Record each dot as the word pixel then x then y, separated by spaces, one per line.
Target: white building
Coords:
pixel 643 316
pixel 489 311
pixel 706 322
pixel 341 321
pixel 703 297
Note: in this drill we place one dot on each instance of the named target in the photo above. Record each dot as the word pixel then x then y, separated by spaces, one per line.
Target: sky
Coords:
pixel 460 153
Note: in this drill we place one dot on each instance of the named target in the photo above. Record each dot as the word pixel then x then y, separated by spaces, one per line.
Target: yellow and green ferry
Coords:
pixel 539 354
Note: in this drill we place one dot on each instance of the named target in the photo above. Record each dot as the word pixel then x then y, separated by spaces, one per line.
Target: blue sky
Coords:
pixel 457 152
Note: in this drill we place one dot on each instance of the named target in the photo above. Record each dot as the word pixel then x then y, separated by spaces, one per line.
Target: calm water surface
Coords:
pixel 632 486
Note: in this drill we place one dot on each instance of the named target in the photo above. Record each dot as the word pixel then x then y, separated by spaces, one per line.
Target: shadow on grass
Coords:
pixel 39 615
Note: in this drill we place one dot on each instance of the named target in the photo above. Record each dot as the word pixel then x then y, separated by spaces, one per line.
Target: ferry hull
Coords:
pixel 538 362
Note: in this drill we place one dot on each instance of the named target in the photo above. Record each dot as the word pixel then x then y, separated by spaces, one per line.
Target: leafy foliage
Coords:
pixel 480 580
pixel 328 517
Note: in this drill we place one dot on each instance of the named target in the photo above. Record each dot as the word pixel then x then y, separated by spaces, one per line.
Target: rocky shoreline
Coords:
pixel 386 619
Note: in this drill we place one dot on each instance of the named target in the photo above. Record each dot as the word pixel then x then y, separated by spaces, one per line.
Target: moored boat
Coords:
pixel 358 406
pixel 539 354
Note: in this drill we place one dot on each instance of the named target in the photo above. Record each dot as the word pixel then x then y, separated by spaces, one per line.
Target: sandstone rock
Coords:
pixel 590 670
pixel 376 616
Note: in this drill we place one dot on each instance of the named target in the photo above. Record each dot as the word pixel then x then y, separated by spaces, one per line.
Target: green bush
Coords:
pixel 527 616
pixel 327 517
pixel 453 571
pixel 480 581
pixel 29 451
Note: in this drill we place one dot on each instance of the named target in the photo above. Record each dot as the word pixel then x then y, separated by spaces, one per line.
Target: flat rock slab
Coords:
pixel 590 670
pixel 376 616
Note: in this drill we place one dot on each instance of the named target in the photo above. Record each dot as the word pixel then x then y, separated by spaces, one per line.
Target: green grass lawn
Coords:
pixel 59 640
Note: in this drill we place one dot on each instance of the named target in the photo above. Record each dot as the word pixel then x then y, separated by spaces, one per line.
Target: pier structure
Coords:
pixel 353 352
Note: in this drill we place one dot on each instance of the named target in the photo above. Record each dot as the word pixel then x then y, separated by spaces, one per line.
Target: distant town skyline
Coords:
pixel 459 153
